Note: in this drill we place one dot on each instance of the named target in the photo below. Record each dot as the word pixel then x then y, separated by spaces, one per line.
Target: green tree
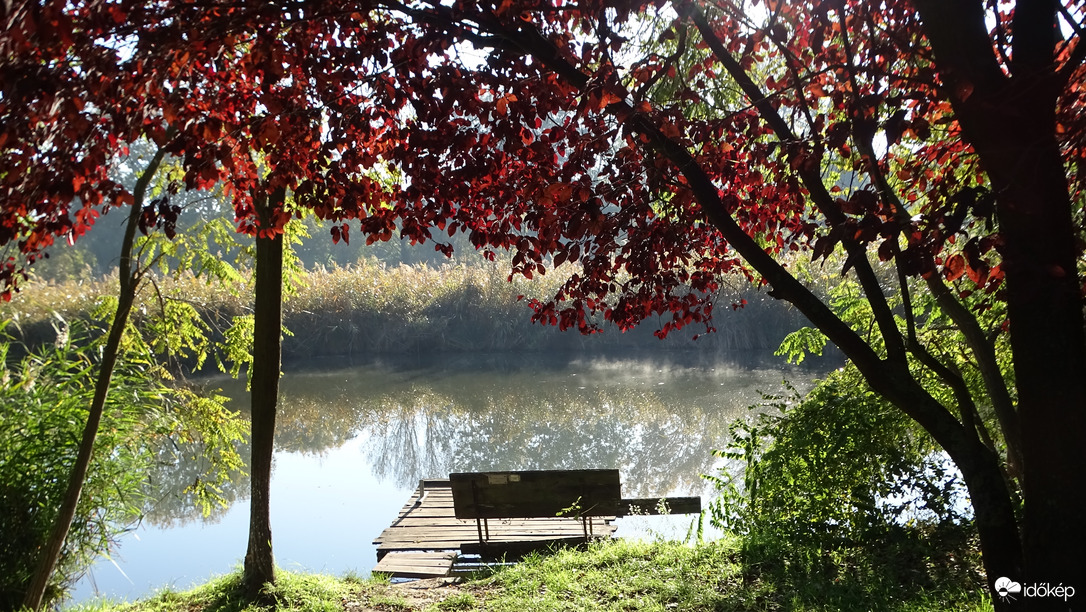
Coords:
pixel 46 397
pixel 130 275
pixel 176 330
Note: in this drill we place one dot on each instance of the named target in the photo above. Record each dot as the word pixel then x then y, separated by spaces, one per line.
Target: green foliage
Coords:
pixel 797 345
pixel 177 323
pixel 206 435
pixel 236 342
pixel 842 486
pixel 199 250
pixel 45 398
pixel 178 331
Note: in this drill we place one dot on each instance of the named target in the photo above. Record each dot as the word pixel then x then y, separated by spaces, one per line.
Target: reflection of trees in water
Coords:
pixel 415 437
pixel 658 447
pixel 313 423
pixel 657 424
pixel 178 465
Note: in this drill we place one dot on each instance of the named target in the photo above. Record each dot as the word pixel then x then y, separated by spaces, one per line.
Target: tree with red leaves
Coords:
pixel 661 145
pixel 238 108
pixel 657 147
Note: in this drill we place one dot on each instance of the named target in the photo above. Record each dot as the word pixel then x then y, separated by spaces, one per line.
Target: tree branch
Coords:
pixel 1035 34
pixel 812 178
pixel 959 37
pixel 988 365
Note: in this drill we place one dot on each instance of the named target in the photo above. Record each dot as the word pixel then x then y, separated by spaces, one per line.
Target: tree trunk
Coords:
pixel 51 552
pixel 267 328
pixel 1045 309
pixel 126 296
pixel 1011 122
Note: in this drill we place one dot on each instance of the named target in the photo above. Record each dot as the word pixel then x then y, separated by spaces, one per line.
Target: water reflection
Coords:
pixel 656 420
pixel 353 439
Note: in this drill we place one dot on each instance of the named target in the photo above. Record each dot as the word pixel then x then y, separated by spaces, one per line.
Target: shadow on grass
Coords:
pixel 903 569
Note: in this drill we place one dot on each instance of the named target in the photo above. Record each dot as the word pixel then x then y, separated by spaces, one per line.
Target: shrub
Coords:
pixel 841 487
pixel 45 396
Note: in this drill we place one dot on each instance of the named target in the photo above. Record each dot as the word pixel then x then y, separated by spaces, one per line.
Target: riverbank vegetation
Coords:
pixel 369 308
pixel 837 486
pixel 617 575
pixel 151 424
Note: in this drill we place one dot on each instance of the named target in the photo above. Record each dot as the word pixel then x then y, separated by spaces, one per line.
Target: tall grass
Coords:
pixel 371 308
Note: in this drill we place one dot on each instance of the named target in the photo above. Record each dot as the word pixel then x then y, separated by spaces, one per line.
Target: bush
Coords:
pixel 841 488
pixel 45 397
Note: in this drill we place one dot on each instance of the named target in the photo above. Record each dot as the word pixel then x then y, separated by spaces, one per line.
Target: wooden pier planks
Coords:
pixel 429 525
pixel 416 564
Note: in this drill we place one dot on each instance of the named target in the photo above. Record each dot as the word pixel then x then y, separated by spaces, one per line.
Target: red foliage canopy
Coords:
pixel 567 133
pixel 658 146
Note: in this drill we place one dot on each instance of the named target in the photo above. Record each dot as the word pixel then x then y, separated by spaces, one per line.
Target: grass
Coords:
pixel 622 576
pixel 293 592
pixel 613 576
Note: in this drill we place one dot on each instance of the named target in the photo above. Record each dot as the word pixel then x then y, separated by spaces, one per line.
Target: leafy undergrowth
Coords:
pixel 619 575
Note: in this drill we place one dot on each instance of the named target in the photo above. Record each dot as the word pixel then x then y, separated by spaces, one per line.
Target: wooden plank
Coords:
pixel 496 530
pixel 464 534
pixel 435 563
pixel 406 534
pixel 416 565
pixel 535 493
pixel 427 525
pixel 454 538
pixel 651 505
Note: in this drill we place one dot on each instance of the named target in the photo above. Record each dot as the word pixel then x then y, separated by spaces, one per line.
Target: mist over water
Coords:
pixel 354 439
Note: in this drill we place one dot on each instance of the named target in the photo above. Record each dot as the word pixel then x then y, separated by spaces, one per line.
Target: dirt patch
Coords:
pixel 427 592
pixel 415 595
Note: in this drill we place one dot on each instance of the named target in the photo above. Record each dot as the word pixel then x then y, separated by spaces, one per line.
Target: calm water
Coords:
pixel 354 440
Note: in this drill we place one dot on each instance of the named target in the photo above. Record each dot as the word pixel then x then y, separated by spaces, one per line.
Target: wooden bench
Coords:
pixel 579 494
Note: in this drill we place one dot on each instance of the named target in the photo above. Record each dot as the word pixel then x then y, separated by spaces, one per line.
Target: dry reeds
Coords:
pixel 372 308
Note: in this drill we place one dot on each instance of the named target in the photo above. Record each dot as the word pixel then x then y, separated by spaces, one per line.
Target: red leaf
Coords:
pixel 955 267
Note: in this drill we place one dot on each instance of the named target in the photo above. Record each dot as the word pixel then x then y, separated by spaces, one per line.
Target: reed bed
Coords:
pixel 372 308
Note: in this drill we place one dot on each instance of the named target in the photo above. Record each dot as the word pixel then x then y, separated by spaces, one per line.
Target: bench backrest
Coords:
pixel 533 494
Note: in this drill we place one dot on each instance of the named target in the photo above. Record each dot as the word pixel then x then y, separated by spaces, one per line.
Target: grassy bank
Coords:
pixel 371 308
pixel 616 576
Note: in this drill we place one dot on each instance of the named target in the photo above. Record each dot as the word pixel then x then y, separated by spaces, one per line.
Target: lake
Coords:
pixel 354 439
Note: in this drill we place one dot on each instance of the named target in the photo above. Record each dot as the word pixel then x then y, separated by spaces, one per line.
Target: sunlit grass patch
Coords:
pixel 663 576
pixel 616 576
pixel 292 592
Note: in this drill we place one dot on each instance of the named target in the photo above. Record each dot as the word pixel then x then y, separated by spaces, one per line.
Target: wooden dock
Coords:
pixel 426 537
